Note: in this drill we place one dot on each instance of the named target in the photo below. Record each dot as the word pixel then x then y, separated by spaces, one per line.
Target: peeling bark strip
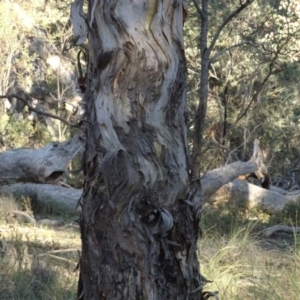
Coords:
pixel 80 30
pixel 139 223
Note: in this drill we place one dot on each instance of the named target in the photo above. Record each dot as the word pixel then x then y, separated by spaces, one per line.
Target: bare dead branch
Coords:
pixel 232 47
pixel 59 251
pixel 62 259
pixel 31 108
pixel 256 96
pixel 230 153
pixel 227 20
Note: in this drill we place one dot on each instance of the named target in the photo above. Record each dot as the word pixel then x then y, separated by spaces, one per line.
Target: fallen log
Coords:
pixel 62 198
pixel 46 196
pixel 253 196
pixel 280 228
pixel 214 179
pixel 221 185
pixel 49 163
pixel 38 165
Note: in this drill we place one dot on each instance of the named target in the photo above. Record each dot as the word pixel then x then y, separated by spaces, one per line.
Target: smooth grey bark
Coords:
pixel 225 178
pixel 140 209
pixel 215 179
pixel 253 196
pixel 47 196
pixel 38 165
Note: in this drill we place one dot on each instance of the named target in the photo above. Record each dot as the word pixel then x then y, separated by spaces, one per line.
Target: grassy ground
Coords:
pixel 38 263
pixel 242 263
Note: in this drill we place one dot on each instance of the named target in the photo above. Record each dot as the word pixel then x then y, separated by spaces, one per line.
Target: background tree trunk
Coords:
pixel 203 90
pixel 139 223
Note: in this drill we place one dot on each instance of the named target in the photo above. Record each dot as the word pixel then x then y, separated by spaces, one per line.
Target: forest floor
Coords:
pixel 242 262
pixel 39 262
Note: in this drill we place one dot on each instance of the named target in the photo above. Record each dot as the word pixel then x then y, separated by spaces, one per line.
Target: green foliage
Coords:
pixel 289 215
pixel 261 76
pixel 21 133
pixel 40 29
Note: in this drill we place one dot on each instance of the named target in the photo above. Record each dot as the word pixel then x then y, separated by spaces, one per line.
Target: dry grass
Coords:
pixel 244 265
pixel 7 204
pixel 36 262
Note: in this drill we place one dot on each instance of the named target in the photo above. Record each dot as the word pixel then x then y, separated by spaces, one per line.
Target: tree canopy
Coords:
pixel 253 76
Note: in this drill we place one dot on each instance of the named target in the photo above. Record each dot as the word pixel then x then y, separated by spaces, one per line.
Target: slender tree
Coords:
pixel 140 206
pixel 206 51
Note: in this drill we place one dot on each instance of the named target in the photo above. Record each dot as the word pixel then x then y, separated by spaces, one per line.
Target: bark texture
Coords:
pixel 213 180
pixel 48 196
pixel 38 165
pixel 140 220
pixel 253 196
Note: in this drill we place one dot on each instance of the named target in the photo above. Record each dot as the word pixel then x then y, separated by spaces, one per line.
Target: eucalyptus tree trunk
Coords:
pixel 140 209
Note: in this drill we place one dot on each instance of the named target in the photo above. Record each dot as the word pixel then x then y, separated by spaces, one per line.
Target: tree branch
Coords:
pixel 200 11
pixel 230 153
pixel 216 178
pixel 31 108
pixel 257 94
pixel 227 20
pixel 231 47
